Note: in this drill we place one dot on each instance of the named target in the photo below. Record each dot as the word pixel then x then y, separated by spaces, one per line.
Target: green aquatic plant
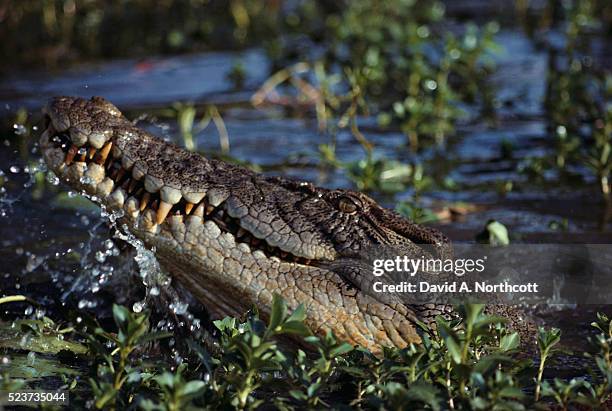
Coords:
pixel 185 115
pixel 117 368
pixel 414 74
pixel 579 95
pixel 546 341
pixel 470 362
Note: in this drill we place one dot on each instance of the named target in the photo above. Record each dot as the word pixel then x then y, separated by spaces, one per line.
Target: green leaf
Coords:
pixel 299 314
pixel 192 387
pixel 279 312
pixel 120 314
pixel 509 342
pixel 340 350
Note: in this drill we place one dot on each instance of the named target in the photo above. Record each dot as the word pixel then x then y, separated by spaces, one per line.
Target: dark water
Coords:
pixel 54 247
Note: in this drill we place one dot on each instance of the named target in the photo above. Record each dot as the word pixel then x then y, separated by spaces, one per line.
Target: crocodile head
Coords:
pixel 231 236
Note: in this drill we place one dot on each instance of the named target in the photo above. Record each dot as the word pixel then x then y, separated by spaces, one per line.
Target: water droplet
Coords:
pixel 15 169
pixel 179 307
pixel 100 256
pixel 138 306
pixel 20 129
pixel 52 179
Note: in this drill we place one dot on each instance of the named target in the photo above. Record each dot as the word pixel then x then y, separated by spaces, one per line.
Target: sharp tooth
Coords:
pixel 72 151
pixel 132 185
pixel 162 211
pixel 120 174
pixel 209 209
pixel 132 207
pixel 241 231
pixel 114 172
pixel 145 200
pixel 104 152
pixel 126 183
pixel 199 212
pixel 92 152
pixel 188 208
pixel 148 221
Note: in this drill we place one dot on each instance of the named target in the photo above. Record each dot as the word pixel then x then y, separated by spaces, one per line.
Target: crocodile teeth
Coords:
pixel 72 151
pixel 162 211
pixel 132 207
pixel 145 200
pixel 104 152
pixel 132 185
pixel 170 195
pixel 92 153
pixel 209 209
pixel 188 208
pixel 241 231
pixel 148 221
pixel 199 211
pixel 120 174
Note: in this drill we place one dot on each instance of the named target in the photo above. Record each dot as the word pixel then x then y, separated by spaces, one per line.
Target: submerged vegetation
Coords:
pixel 473 362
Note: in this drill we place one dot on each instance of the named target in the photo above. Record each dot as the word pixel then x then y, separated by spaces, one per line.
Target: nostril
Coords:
pixel 47 121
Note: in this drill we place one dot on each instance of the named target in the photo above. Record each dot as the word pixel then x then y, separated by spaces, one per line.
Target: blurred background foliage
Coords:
pixel 405 64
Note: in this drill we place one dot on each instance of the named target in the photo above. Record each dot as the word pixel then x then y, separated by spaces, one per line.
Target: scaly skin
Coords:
pixel 234 237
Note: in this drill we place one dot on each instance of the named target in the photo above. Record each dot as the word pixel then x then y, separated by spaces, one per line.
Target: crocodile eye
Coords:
pixel 346 205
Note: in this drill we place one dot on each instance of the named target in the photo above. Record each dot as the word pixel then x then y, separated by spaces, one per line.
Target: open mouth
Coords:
pixel 105 173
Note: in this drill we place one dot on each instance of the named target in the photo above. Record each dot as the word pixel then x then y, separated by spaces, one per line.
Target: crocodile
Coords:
pixel 233 237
